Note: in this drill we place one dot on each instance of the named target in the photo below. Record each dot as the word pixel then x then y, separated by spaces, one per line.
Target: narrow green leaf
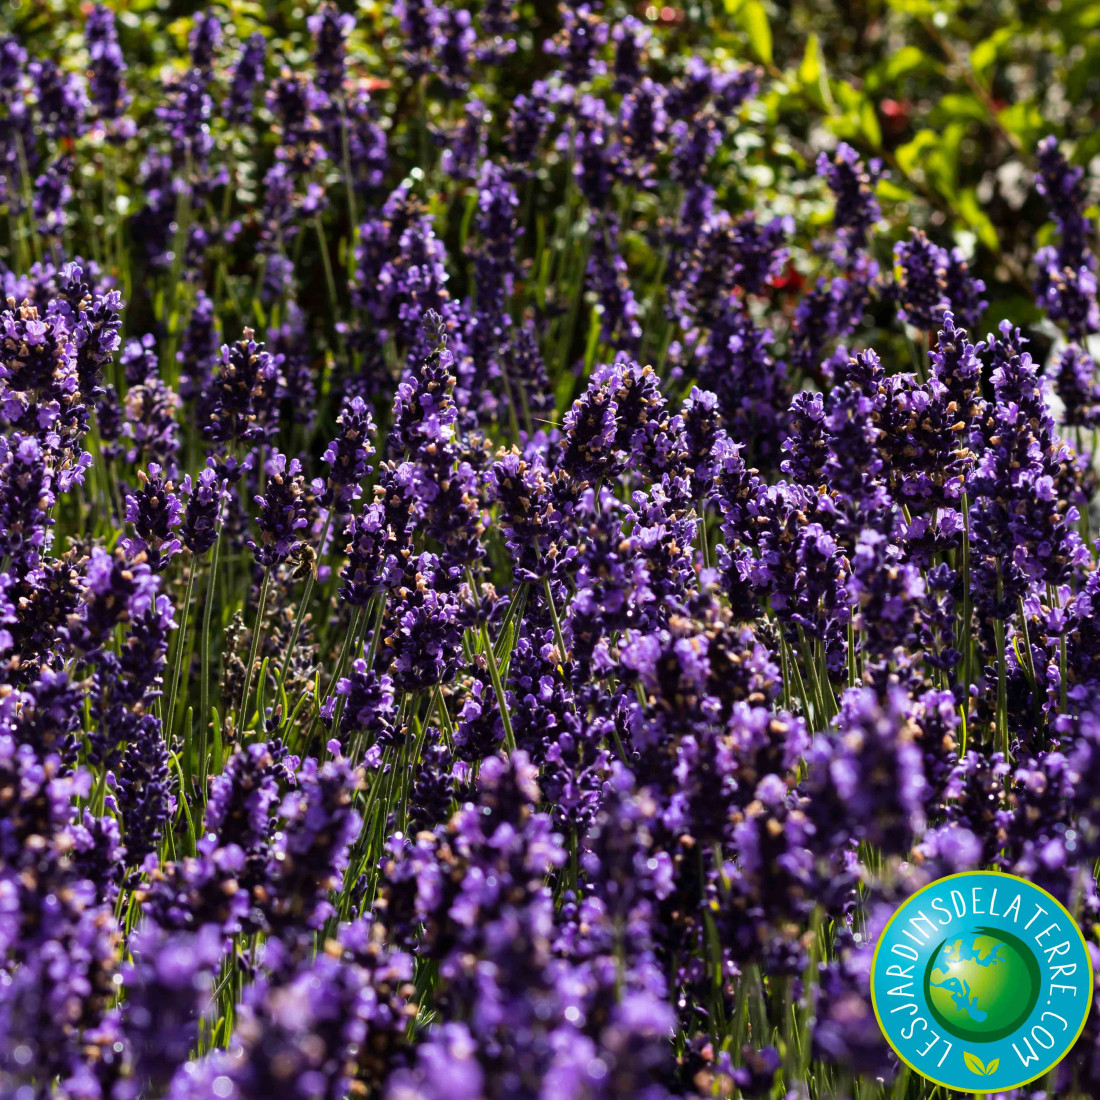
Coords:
pixel 890 191
pixel 185 808
pixel 868 122
pixel 467 218
pixel 216 722
pixel 190 747
pixel 809 71
pixel 754 21
pixel 813 75
pixel 955 105
pixel 592 343
pixel 923 9
pixel 978 220
pixel 261 702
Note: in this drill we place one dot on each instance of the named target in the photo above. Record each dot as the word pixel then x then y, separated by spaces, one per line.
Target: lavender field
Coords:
pixel 526 531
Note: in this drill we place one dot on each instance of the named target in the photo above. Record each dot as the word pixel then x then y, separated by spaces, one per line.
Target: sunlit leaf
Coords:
pixel 868 122
pixel 894 67
pixel 809 72
pixel 910 155
pixel 889 190
pixel 1024 121
pixel 922 8
pixel 986 52
pixel 955 106
pixel 978 220
pixel 754 20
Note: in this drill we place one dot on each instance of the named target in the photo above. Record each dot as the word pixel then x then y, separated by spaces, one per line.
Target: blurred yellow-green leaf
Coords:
pixel 971 210
pixel 891 192
pixel 755 21
pixel 904 61
pixel 868 121
pixel 1024 121
pixel 956 105
pixel 809 72
pixel 986 52
pixel 910 154
pixel 921 8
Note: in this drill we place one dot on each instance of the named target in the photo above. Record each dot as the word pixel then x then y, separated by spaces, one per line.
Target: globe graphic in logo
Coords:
pixel 982 984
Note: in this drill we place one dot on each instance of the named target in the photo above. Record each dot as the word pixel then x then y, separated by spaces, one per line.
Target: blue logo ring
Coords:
pixel 981 981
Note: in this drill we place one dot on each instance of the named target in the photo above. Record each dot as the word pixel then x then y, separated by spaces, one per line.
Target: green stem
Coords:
pixel 853 675
pixel 376 628
pixel 494 675
pixel 811 672
pixel 303 604
pixel 352 642
pixel 498 688
pixel 559 640
pixel 445 719
pixel 181 636
pixel 253 650
pixel 349 191
pixel 1062 667
pixel 204 698
pixel 326 263
pixel 967 615
pixel 1002 676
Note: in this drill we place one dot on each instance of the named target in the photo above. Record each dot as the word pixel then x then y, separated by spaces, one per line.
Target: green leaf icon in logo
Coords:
pixel 976 1065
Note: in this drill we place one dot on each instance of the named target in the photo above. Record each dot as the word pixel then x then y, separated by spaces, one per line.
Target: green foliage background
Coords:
pixel 953 96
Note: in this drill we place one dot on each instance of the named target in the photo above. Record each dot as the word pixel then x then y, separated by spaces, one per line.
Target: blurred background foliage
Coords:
pixel 952 96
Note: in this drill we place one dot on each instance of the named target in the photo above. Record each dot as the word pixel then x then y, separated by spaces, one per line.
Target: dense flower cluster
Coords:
pixel 459 642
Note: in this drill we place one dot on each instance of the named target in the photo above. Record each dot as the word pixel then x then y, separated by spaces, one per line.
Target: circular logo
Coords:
pixel 981 982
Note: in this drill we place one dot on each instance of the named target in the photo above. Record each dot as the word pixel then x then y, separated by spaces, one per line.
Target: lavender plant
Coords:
pixel 494 602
